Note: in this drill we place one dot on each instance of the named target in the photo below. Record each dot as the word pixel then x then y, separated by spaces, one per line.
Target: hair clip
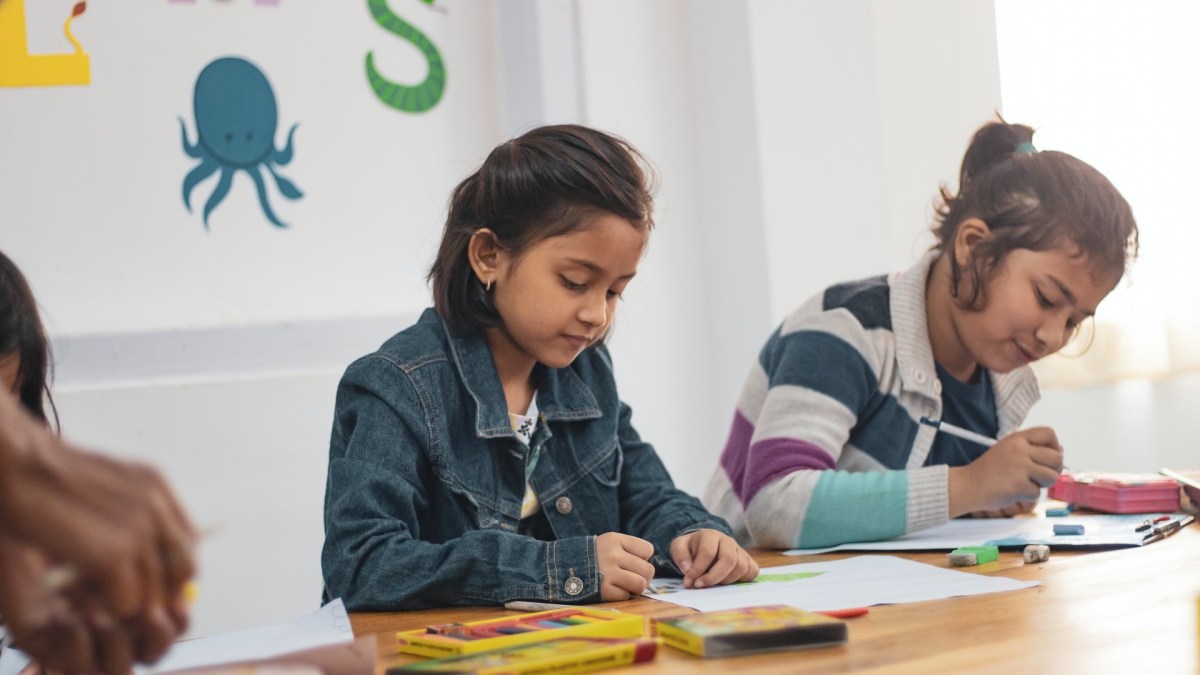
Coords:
pixel 1025 148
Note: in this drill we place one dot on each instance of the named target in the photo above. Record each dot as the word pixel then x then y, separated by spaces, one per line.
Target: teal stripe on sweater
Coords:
pixel 855 506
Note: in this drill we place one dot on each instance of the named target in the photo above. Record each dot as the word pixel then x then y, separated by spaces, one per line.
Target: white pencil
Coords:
pixel 965 434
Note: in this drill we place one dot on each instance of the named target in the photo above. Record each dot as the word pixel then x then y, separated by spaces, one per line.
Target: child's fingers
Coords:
pixel 1043 436
pixel 741 567
pixel 638 547
pixel 723 564
pixel 113 643
pixel 1041 476
pixel 640 567
pixel 704 551
pixel 752 572
pixel 1046 456
pixel 622 584
pixel 681 553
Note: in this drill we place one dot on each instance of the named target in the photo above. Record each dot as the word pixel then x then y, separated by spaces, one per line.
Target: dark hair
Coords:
pixel 1031 200
pixel 544 183
pixel 22 334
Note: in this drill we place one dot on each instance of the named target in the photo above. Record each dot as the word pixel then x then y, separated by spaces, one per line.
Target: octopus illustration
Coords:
pixel 236 118
pixel 413 99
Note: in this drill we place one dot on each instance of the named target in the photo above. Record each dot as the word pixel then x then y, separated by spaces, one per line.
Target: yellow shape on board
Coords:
pixel 19 68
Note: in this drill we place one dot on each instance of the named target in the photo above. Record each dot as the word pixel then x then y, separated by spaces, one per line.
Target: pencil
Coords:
pixel 965 434
pixel 526 606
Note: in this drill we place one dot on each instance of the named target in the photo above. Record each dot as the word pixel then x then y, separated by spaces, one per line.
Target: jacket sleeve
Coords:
pixel 652 508
pixel 818 383
pixel 376 556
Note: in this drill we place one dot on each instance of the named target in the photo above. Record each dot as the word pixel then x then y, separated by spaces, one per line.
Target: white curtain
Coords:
pixel 1117 84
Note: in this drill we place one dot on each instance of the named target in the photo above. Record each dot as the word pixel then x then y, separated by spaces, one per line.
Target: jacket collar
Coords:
pixel 561 393
pixel 1016 391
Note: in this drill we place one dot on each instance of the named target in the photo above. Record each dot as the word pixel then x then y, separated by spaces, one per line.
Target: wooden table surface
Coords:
pixel 1117 611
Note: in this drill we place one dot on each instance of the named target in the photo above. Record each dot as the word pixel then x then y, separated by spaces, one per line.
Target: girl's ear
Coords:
pixel 485 255
pixel 970 232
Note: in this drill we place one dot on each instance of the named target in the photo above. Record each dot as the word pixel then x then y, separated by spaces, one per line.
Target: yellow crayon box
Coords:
pixel 750 630
pixel 472 637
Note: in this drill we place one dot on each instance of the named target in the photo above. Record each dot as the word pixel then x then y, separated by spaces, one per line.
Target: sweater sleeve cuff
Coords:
pixel 928 497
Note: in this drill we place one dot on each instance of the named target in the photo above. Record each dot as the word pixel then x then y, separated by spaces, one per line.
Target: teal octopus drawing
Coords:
pixel 413 99
pixel 236 119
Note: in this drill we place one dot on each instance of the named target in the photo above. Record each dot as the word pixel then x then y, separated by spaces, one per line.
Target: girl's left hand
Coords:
pixel 711 558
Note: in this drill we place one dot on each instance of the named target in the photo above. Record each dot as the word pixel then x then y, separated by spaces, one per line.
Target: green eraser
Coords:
pixel 983 554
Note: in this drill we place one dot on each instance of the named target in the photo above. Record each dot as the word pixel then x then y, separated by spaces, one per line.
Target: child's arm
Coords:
pixel 809 390
pixel 651 506
pixel 377 556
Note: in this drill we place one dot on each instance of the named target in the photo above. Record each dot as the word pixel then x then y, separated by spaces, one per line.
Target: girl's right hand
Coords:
pixel 624 567
pixel 1013 470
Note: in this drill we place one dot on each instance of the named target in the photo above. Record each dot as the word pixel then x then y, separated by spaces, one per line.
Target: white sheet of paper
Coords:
pixel 327 626
pixel 1099 530
pixel 860 581
pixel 12 661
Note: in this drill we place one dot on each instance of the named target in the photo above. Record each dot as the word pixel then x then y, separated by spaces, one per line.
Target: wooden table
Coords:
pixel 1119 611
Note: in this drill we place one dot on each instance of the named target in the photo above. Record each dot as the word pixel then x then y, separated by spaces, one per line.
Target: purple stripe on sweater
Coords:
pixel 774 458
pixel 734 456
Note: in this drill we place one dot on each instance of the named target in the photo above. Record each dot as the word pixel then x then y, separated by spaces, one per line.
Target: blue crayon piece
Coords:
pixel 1058 513
pixel 1065 528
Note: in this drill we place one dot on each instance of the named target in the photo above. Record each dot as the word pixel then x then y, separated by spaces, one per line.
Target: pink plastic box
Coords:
pixel 1118 492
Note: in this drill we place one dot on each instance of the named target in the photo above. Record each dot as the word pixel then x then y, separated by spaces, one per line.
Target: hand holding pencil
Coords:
pixel 1009 476
pixel 624 564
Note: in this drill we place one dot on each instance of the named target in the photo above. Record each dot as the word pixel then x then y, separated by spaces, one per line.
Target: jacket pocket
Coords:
pixel 607 470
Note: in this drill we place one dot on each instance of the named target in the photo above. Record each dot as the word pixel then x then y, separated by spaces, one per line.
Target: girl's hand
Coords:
pixel 1015 509
pixel 1013 470
pixel 624 565
pixel 116 524
pixel 711 558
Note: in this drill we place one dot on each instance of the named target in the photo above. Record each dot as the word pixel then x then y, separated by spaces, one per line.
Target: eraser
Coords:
pixel 962 559
pixel 1036 553
pixel 983 554
pixel 1066 528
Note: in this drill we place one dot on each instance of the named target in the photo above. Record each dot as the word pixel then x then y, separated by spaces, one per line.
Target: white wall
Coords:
pixel 1137 425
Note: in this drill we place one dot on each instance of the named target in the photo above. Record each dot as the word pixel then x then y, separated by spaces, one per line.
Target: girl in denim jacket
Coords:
pixel 483 455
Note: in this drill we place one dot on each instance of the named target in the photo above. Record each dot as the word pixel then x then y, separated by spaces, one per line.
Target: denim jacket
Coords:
pixel 426 478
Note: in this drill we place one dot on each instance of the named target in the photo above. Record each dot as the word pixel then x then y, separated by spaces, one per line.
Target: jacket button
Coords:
pixel 563 504
pixel 573 586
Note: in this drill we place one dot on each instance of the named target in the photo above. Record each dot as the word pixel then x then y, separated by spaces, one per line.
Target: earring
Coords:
pixel 488 287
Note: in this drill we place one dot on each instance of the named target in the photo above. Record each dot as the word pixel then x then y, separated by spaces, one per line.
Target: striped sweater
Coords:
pixel 826 447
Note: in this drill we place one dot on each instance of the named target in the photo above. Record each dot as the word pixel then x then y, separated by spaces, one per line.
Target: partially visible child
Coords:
pixel 24 350
pixel 483 455
pixel 115 526
pixel 827 446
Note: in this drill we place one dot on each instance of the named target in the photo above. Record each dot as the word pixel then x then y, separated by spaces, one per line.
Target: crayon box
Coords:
pixel 510 631
pixel 750 630
pixel 560 657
